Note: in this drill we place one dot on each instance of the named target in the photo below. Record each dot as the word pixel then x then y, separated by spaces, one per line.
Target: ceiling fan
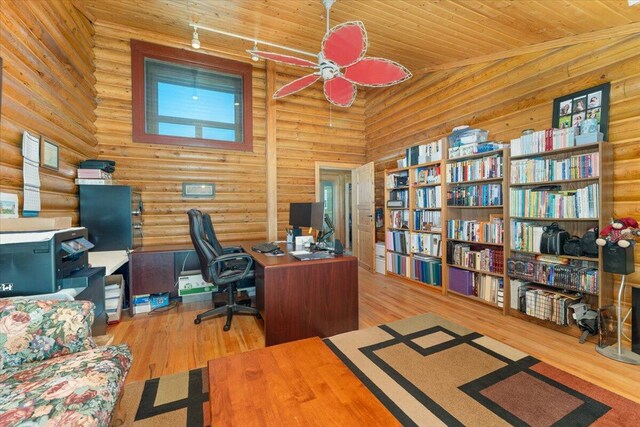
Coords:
pixel 341 63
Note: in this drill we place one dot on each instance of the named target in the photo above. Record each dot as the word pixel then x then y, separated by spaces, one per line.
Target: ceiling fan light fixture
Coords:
pixel 195 42
pixel 254 57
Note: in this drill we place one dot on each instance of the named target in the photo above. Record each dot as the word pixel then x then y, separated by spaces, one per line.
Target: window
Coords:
pixel 188 98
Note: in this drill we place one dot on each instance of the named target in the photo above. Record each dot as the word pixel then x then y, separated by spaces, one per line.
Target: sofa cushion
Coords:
pixel 33 330
pixel 79 389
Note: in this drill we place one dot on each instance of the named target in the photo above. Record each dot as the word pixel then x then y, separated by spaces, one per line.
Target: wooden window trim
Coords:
pixel 141 50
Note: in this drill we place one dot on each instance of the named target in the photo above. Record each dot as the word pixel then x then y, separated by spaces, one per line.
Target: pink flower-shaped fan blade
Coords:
pixel 346 43
pixel 285 59
pixel 376 72
pixel 296 85
pixel 339 91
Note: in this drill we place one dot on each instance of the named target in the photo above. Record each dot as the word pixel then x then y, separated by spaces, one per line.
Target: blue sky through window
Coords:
pixel 178 101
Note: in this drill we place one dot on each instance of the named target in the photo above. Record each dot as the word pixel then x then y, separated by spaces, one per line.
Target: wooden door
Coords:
pixel 364 241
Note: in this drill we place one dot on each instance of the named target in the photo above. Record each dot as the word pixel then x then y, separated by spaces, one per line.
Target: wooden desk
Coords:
pixel 302 299
pixel 299 383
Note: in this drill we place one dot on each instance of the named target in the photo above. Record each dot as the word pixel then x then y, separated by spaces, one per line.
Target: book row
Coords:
pixel 424 153
pixel 399 219
pixel 540 170
pixel 488 288
pixel 398 264
pixel 574 275
pixel 398 199
pixel 429 197
pixel 543 140
pixel 427 220
pixel 475 195
pixel 426 244
pixel 543 304
pixel 476 231
pixel 428 175
pixel 579 203
pixel 427 270
pixel 398 241
pixel 476 169
pixel 477 258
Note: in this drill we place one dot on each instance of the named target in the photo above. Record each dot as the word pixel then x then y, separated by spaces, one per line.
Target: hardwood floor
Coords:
pixel 169 342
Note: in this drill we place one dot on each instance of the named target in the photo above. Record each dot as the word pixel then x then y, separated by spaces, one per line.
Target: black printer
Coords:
pixel 39 263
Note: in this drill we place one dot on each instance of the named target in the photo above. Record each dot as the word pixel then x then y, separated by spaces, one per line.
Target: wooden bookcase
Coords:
pixel 475 248
pixel 601 175
pixel 426 196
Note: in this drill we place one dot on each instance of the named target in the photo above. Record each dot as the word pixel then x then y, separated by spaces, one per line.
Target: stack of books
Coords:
pixel 94 177
pixel 96 172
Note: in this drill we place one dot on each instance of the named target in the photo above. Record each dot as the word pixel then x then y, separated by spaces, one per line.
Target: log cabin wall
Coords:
pixel 510 95
pixel 47 89
pixel 310 129
pixel 239 210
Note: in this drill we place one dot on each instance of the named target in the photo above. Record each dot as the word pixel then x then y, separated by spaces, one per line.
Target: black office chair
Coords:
pixel 220 269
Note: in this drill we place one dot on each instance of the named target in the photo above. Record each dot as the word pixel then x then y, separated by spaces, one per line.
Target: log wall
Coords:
pixel 47 89
pixel 239 210
pixel 510 95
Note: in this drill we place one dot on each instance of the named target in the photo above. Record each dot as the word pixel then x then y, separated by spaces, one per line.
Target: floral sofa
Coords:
pixel 51 372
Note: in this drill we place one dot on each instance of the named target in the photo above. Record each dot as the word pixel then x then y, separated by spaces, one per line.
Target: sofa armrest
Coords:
pixel 35 330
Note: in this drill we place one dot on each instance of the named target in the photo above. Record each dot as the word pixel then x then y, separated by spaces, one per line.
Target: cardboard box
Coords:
pixel 34 224
pixel 191 282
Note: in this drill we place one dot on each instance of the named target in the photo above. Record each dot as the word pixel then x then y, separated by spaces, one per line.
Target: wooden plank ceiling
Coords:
pixel 420 34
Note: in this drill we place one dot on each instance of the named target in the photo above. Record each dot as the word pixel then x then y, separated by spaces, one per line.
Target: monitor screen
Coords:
pixel 307 215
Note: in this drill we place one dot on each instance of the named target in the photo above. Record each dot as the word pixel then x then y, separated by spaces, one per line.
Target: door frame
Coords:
pixel 340 166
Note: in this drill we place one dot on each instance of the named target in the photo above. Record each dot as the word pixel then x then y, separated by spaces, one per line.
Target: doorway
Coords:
pixel 336 195
pixel 347 190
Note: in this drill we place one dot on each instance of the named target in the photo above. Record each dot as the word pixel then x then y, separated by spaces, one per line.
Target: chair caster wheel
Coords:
pixel 226 328
pixel 197 320
pixel 258 316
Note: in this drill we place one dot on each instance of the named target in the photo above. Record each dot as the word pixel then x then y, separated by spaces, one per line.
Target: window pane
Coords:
pixel 192 102
pixel 221 134
pixel 177 130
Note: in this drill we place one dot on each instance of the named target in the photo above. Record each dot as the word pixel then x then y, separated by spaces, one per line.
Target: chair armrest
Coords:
pixel 232 250
pixel 36 330
pixel 217 268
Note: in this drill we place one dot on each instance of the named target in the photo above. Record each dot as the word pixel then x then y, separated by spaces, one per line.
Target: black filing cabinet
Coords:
pixel 113 216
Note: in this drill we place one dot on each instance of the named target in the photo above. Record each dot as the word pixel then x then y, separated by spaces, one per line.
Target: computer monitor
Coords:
pixel 307 215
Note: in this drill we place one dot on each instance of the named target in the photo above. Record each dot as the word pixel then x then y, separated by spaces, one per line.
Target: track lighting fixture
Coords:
pixel 195 42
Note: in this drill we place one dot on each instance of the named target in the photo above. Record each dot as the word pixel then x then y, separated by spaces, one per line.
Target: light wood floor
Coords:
pixel 169 342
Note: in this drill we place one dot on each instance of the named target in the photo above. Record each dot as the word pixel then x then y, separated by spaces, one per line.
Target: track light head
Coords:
pixel 195 42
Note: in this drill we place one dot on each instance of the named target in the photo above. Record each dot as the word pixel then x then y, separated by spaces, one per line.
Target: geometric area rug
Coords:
pixel 172 400
pixel 429 371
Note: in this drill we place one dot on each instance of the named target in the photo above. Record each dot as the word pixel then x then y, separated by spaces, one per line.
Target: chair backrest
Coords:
pixel 204 250
pixel 211 234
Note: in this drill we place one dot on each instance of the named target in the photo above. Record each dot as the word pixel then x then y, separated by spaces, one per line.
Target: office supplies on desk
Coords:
pixel 265 247
pixel 303 241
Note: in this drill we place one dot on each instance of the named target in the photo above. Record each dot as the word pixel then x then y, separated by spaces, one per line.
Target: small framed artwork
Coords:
pixel 573 109
pixel 50 154
pixel 205 190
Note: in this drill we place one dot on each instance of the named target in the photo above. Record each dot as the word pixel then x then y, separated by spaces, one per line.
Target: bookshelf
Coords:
pixel 475 230
pixel 414 196
pixel 579 196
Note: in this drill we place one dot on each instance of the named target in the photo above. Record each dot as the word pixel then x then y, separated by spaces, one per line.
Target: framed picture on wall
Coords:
pixel 593 103
pixel 50 154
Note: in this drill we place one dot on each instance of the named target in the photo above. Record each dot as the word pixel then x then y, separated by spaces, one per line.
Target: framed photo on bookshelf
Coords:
pixel 593 103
